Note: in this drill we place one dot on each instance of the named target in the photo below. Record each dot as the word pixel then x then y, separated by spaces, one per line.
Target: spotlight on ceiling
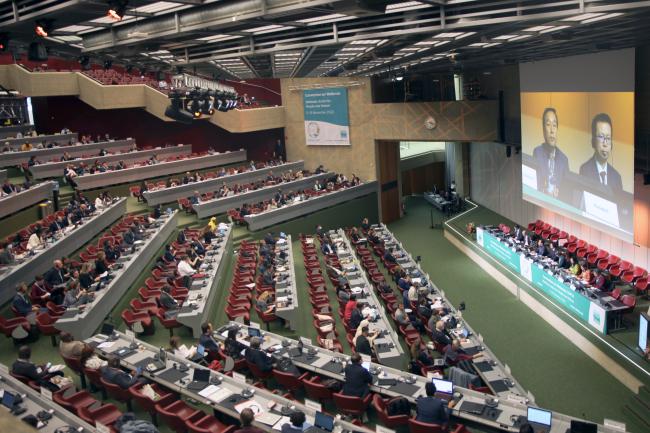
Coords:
pixel 117 9
pixel 175 110
pixel 207 104
pixel 43 28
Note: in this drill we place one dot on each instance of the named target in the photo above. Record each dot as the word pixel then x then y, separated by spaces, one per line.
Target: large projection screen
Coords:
pixel 577 129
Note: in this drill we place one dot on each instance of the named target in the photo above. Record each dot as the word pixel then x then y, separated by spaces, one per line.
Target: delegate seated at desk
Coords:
pixel 256 356
pixel 246 417
pixel 207 340
pixel 23 366
pixel 298 423
pixel 430 409
pixel 357 378
pixel 113 374
pixel 232 347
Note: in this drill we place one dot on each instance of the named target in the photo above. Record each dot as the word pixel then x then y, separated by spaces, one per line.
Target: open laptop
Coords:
pixel 582 427
pixel 107 330
pixel 8 400
pixel 322 422
pixel 200 379
pixel 254 332
pixel 444 389
pixel 539 419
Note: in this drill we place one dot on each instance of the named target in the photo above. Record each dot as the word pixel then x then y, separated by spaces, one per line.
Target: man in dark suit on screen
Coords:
pixel 552 163
pixel 597 169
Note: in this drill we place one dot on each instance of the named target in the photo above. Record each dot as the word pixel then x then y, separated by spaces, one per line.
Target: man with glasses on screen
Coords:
pixel 597 169
pixel 552 163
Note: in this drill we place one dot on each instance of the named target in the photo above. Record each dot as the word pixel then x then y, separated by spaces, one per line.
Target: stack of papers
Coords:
pixel 215 393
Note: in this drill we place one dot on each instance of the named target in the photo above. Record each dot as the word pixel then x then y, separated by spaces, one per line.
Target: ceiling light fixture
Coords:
pixel 117 9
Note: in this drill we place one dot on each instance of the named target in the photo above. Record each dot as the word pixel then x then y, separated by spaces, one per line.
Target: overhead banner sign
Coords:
pixel 326 117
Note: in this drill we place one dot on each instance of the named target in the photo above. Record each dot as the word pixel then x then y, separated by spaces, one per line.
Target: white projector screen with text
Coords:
pixel 577 138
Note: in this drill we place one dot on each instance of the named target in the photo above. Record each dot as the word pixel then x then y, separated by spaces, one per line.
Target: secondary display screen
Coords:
pixel 577 129
pixel 643 333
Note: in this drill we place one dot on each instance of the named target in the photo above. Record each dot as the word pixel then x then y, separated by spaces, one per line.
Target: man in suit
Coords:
pixel 23 366
pixel 364 342
pixel 431 409
pixel 597 169
pixel 112 373
pixel 255 356
pixel 22 303
pixel 166 300
pixel 541 249
pixel 207 340
pixel 439 334
pixel 552 163
pixel 298 423
pixel 357 378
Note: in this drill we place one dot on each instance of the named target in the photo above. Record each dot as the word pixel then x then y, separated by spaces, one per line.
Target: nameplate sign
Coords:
pixel 239 377
pixel 615 425
pixel 101 428
pixel 382 429
pixel 46 393
pixel 311 404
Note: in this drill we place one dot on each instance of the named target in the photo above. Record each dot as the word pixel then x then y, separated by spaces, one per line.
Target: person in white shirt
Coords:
pixel 184 267
pixel 35 240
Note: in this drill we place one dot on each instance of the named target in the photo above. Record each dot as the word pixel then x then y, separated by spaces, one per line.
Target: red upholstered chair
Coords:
pixel 209 424
pixel 354 406
pixel 267 318
pixel 316 390
pixel 106 414
pixel 259 374
pixel 45 324
pixel 288 380
pixel 234 313
pixel 390 421
pixel 177 414
pixel 150 307
pixel 164 398
pixel 168 322
pixel 54 310
pixel 641 286
pixel 629 301
pixel 118 393
pixel 7 326
pixel 73 400
pixel 616 293
pixel 131 318
pixel 27 381
pixel 94 377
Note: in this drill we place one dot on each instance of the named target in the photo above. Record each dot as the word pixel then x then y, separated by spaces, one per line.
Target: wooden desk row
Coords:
pixel 314 204
pixel 224 204
pixel 13 159
pixel 31 266
pixel 171 194
pixel 28 197
pixel 223 394
pixel 82 323
pixel 134 174
pixel 57 169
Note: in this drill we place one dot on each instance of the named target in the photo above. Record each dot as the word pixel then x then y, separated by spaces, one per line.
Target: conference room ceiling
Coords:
pixel 296 38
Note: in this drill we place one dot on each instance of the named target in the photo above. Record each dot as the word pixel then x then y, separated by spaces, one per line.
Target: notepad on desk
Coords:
pixel 268 418
pixel 215 393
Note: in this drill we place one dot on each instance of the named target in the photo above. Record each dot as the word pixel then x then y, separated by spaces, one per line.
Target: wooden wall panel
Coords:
pixel 388 161
pixel 420 179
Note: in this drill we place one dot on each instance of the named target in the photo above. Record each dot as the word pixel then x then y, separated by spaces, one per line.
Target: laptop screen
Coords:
pixel 366 365
pixel 443 386
pixel 201 375
pixel 200 349
pixel 8 399
pixel 254 332
pixel 107 329
pixel 539 416
pixel 324 421
pixel 583 427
